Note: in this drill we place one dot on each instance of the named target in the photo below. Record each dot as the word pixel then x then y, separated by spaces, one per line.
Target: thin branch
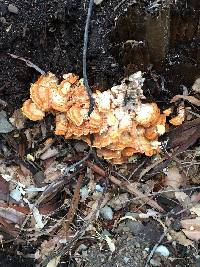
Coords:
pixel 165 191
pixel 85 47
pixel 73 205
pixel 154 249
pixel 28 63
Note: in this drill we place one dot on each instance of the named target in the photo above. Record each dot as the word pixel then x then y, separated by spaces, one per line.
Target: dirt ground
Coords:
pixel 50 34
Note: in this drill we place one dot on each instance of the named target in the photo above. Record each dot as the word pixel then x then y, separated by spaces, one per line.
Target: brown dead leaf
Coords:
pixel 49 153
pixel 183 198
pixel 173 178
pixel 193 235
pixel 193 100
pixel 180 238
pixel 196 210
pixel 195 197
pixel 191 224
pixel 196 86
pixel 17 119
pixel 12 215
pixel 4 187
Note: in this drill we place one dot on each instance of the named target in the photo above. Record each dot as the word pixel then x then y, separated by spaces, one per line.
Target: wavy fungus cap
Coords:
pixel 121 124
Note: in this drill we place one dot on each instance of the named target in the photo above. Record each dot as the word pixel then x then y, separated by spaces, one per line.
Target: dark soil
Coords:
pixel 50 34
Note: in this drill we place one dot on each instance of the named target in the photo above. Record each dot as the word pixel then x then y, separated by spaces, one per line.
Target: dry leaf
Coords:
pixel 119 201
pixel 196 209
pixel 12 215
pixel 49 153
pixel 17 119
pixel 110 243
pixel 193 100
pixel 173 178
pixel 180 238
pixel 193 235
pixel 182 197
pixel 196 86
pixel 191 224
pixel 54 262
pixel 195 197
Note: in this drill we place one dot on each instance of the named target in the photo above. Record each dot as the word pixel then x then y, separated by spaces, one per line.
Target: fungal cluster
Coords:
pixel 121 124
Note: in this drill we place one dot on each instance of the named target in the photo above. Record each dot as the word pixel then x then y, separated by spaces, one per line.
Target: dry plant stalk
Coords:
pixel 122 125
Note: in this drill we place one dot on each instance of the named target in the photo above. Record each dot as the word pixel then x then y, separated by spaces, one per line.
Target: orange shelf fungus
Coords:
pixel 121 124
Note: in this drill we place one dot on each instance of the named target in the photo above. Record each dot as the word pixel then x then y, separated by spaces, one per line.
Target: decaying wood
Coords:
pixel 177 141
pixel 73 205
pixel 157 35
pixel 183 136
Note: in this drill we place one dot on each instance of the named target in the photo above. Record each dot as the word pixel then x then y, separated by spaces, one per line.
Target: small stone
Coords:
pixel 107 213
pixel 82 248
pixel 5 126
pixel 163 251
pixel 126 259
pixel 99 188
pixel 84 192
pixel 13 9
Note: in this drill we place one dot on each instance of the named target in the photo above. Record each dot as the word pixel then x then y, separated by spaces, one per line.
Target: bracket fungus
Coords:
pixel 121 123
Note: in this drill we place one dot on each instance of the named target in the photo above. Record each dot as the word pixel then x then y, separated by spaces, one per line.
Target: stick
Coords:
pixel 28 63
pixel 85 46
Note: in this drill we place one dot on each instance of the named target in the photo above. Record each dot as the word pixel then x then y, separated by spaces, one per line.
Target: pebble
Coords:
pixel 13 9
pixel 107 213
pixel 84 192
pixel 126 259
pixel 81 248
pixel 5 126
pixel 163 251
pixel 99 188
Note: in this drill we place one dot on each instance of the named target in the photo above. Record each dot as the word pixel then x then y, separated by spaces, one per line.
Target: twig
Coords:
pixel 28 63
pixel 165 191
pixel 125 185
pixel 66 172
pixel 148 168
pixel 154 248
pixel 85 46
pixel 73 205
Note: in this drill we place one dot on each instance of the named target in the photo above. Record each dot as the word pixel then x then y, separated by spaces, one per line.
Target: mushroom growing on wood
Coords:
pixel 122 125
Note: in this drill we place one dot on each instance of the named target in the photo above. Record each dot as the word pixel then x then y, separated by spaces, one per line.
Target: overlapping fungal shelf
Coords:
pixel 122 125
